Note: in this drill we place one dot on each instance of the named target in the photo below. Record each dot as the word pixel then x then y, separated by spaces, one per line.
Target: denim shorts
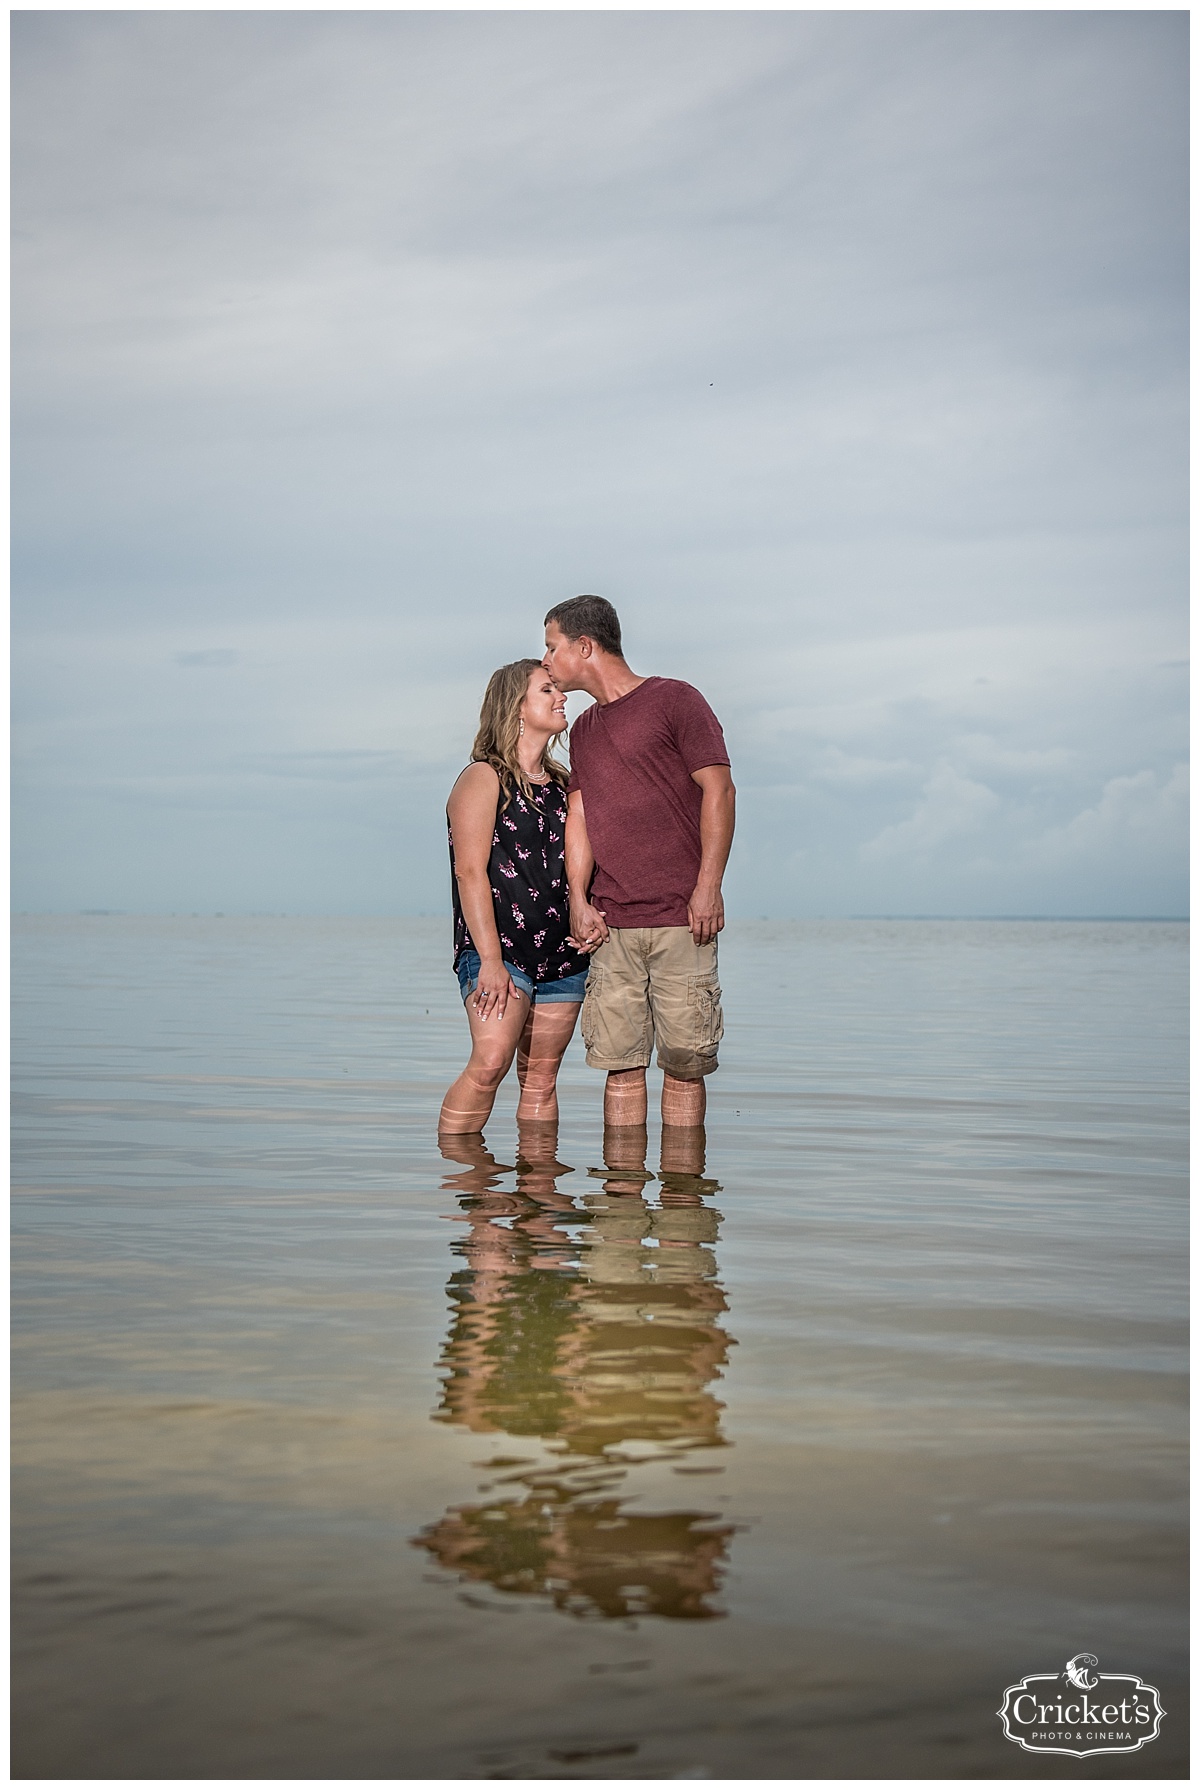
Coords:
pixel 567 988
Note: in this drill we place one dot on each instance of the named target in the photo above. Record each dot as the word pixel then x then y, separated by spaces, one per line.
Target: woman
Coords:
pixel 521 980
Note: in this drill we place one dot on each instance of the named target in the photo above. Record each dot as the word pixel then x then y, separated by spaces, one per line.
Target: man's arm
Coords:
pixel 588 926
pixel 706 909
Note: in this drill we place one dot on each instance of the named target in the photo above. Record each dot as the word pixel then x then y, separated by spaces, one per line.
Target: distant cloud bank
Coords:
pixel 845 352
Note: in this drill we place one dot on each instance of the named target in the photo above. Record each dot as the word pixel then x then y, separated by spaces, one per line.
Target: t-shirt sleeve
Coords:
pixel 697 731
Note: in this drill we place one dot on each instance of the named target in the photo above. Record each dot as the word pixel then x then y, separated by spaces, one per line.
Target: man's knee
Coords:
pixel 686 1065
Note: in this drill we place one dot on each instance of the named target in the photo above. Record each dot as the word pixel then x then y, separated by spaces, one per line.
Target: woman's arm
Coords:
pixel 588 925
pixel 472 812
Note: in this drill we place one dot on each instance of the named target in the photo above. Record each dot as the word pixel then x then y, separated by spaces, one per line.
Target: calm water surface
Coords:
pixel 774 1454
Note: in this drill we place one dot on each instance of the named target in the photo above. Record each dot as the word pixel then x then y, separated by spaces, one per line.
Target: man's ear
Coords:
pixel 585 647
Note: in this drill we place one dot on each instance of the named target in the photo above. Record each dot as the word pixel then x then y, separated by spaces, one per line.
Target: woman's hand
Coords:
pixel 493 989
pixel 589 928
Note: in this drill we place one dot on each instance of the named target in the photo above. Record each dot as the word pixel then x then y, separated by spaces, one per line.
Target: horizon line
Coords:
pixel 753 919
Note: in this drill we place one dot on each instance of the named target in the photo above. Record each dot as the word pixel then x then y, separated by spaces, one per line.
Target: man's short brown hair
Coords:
pixel 593 616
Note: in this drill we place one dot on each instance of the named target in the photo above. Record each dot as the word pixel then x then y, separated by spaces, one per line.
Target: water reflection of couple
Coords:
pixel 592 1325
pixel 619 863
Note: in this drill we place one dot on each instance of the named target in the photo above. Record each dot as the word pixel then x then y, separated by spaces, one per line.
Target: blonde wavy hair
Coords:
pixel 500 729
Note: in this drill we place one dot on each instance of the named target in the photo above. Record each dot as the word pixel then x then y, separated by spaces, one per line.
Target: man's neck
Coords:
pixel 610 678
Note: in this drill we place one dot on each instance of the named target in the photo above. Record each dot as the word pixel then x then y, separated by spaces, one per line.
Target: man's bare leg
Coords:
pixel 625 1150
pixel 683 1102
pixel 682 1155
pixel 625 1099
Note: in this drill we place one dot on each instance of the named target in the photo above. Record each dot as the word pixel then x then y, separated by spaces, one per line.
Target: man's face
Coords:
pixel 565 659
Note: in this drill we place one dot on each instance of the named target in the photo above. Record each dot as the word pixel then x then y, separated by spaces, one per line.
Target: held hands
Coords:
pixel 493 990
pixel 589 928
pixel 706 912
pixel 706 917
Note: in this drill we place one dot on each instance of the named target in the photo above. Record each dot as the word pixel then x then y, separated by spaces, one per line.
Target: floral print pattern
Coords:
pixel 529 887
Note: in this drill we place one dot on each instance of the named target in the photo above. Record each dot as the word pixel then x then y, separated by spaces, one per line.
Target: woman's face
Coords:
pixel 545 707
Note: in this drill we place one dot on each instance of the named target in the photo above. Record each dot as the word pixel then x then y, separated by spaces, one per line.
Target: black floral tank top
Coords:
pixel 528 877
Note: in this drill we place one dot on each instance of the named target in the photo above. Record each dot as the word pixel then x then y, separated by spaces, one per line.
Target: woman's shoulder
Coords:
pixel 478 775
pixel 477 782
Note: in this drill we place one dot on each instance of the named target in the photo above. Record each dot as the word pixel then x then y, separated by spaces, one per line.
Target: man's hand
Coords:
pixel 589 928
pixel 706 912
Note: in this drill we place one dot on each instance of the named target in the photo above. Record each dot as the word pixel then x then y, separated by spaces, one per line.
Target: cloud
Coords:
pixel 1143 815
pixel 843 770
pixel 845 352
pixel 953 807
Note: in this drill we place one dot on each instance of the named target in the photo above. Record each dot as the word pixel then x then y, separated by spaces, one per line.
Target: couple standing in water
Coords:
pixel 599 888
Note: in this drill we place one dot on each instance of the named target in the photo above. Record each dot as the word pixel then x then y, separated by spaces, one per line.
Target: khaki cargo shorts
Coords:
pixel 653 985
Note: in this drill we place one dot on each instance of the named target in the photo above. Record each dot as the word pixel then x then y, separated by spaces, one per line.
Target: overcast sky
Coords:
pixel 844 352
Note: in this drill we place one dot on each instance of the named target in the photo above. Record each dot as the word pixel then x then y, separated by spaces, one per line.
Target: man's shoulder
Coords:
pixel 667 692
pixel 676 687
pixel 676 694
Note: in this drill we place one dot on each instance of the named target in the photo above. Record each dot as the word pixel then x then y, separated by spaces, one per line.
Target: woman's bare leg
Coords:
pixel 545 1037
pixel 469 1101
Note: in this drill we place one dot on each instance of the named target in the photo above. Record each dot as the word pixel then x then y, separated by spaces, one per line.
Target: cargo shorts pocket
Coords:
pixel 589 1012
pixel 708 1021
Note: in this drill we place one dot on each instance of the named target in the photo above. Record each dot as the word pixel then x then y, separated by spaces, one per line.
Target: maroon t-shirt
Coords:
pixel 632 760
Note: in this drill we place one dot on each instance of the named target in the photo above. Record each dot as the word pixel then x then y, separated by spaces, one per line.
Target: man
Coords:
pixel 649 825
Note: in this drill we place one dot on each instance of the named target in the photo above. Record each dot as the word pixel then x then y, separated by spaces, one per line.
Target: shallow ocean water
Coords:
pixel 337 1456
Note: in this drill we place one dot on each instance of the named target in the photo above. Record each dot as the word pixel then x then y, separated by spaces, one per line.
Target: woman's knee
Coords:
pixel 540 1073
pixel 488 1067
